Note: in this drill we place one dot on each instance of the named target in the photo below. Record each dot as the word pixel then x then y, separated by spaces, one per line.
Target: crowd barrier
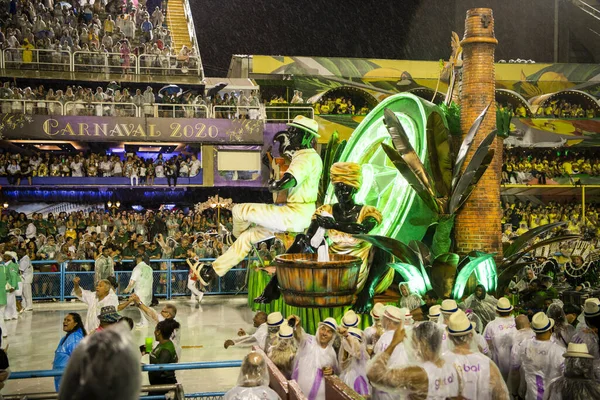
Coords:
pixel 53 280
pixel 100 62
pixel 156 110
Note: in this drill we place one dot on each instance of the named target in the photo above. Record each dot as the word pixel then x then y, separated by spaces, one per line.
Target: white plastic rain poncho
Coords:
pixel 311 358
pixel 578 382
pixel 484 306
pixel 516 377
pixel 253 381
pixel 587 336
pixel 541 361
pixel 105 365
pixel 411 300
pixel 479 377
pixel 283 353
pixel 353 359
pixel 563 331
pixel 499 334
pixel 427 375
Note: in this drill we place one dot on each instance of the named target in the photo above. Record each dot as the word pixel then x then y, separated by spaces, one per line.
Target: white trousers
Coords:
pixel 11 303
pixel 27 302
pixel 255 222
pixel 137 180
pixel 2 324
pixel 191 284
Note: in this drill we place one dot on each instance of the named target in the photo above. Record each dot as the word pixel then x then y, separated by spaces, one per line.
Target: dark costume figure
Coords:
pixel 339 222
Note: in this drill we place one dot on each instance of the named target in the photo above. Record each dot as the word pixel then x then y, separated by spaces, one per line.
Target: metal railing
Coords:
pixel 181 110
pixel 101 109
pixel 54 280
pixel 95 61
pixel 287 114
pixel 192 33
pixel 156 64
pixel 31 107
pixel 587 8
pixel 40 59
pixel 231 112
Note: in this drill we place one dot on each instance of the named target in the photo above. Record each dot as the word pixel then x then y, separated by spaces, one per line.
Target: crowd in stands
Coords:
pixel 339 105
pixel 554 109
pixel 523 165
pixel 519 217
pixel 63 28
pixel 18 168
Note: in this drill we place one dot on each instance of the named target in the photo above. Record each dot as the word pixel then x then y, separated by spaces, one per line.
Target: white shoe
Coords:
pixel 200 298
pixel 29 309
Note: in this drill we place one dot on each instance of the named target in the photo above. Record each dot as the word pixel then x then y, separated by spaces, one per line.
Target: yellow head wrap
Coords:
pixel 347 173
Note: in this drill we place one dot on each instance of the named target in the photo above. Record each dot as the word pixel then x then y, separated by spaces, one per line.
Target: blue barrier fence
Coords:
pixel 49 373
pixel 54 280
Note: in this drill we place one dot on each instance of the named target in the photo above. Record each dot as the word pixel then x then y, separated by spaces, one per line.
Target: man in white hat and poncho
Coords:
pixel 283 351
pixel 540 358
pixel 315 358
pixel 274 322
pixel 498 333
pixel 434 313
pixel 479 376
pixel 373 332
pixel 578 381
pixel 353 359
pixel 447 308
pixel 253 381
pixel 254 222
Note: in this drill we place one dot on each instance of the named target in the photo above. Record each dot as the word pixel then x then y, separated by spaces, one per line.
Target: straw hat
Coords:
pixel 591 308
pixel 350 319
pixel 12 255
pixel 459 324
pixel 434 311
pixel 275 319
pixel 330 323
pixel 377 311
pixel 357 333
pixel 449 306
pixel 285 332
pixel 504 305
pixel 579 350
pixel 306 124
pixel 393 313
pixel 540 323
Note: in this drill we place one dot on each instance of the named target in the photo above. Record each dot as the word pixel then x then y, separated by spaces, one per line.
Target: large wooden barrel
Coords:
pixel 305 282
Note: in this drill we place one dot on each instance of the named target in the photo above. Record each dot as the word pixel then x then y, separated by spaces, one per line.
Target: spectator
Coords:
pixel 104 296
pixel 73 326
pixel 258 338
pixel 253 381
pixel 164 353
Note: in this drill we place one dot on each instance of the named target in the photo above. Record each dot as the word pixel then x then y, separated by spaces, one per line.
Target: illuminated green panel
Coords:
pixel 383 186
pixel 486 274
pixel 481 264
pixel 412 276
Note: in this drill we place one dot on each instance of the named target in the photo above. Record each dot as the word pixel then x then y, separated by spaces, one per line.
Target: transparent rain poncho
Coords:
pixel 541 362
pixel 105 365
pixel 484 307
pixel 412 300
pixel 478 376
pixel 500 333
pixel 282 353
pixel 353 360
pixel 253 381
pixel 577 382
pixel 563 331
pixel 310 361
pixel 426 375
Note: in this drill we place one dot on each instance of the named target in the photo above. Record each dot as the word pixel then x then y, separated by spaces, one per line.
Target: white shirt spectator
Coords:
pixel 195 167
pixel 77 168
pixel 95 306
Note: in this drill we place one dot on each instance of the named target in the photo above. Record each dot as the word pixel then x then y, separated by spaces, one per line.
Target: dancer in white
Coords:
pixel 141 283
pixel 26 269
pixel 257 338
pixel 373 332
pixel 353 359
pixel 102 297
pixel 499 334
pixel 315 358
pixel 479 376
pixel 448 308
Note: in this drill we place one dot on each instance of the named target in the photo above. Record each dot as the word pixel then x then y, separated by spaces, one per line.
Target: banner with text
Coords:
pixel 118 129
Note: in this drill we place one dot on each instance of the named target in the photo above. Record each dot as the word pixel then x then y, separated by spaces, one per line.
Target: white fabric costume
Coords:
pixel 253 222
pixel 474 373
pixel 95 306
pixel 142 276
pixel 541 361
pixel 500 333
pixel 27 273
pixel 520 337
pixel 257 338
pixel 311 358
pixel 443 382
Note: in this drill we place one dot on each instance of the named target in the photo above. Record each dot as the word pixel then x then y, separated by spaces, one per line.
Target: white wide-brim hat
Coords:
pixel 357 333
pixel 579 350
pixel 377 310
pixel 459 324
pixel 449 306
pixel 540 323
pixel 285 332
pixel 393 313
pixel 330 323
pixel 350 319
pixel 591 308
pixel 274 319
pixel 306 124
pixel 504 305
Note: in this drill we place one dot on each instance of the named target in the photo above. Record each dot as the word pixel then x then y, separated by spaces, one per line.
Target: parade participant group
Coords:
pixel 421 347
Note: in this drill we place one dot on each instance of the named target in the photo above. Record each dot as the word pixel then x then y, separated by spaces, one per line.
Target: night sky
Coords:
pixel 399 29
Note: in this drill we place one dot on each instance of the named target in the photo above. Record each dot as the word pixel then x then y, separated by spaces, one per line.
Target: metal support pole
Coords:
pixel 169 276
pixel 63 268
pixel 583 205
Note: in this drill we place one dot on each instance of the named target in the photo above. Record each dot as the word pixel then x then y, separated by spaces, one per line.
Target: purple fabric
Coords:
pixel 539 383
pixel 316 385
pixel 361 386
